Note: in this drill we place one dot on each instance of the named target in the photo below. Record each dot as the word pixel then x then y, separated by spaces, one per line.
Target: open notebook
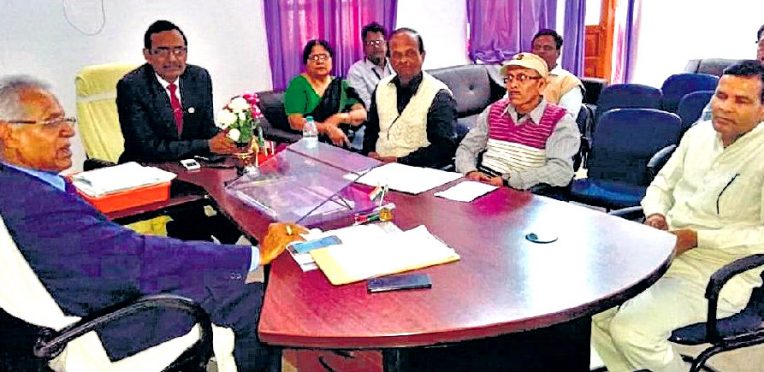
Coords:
pixel 375 256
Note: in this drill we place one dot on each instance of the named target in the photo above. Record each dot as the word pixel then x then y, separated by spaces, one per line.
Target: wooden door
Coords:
pixel 598 47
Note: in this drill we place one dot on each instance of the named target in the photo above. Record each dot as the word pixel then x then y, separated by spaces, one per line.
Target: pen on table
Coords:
pixel 289 230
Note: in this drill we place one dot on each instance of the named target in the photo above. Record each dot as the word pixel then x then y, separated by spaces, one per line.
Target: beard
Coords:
pixel 377 60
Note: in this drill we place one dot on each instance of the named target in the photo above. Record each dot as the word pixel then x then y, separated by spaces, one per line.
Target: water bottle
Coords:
pixel 310 132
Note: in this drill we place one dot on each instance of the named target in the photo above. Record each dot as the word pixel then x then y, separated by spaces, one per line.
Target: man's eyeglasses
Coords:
pixel 520 77
pixel 319 57
pixel 165 51
pixel 50 123
pixel 375 42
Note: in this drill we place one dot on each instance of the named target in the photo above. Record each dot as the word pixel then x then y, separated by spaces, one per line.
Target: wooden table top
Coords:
pixel 502 284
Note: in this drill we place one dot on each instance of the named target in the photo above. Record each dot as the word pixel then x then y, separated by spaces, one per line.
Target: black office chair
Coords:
pixel 29 316
pixel 743 329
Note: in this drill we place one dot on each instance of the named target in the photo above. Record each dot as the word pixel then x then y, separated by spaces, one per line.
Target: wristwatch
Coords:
pixel 505 181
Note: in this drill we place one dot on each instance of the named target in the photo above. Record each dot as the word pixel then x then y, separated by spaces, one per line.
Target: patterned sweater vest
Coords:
pixel 402 133
pixel 513 147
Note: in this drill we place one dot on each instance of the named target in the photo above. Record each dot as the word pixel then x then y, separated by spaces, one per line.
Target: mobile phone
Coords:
pixel 398 282
pixel 190 164
pixel 305 247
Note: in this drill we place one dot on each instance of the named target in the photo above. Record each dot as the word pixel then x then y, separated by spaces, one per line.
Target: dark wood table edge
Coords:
pixel 456 336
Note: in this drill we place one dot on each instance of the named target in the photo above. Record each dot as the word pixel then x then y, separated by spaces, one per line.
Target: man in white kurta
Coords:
pixel 710 195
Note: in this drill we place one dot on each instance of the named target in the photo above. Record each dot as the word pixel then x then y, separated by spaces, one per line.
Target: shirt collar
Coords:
pixel 557 70
pixel 413 84
pixel 164 82
pixel 370 64
pixel 535 114
pixel 50 178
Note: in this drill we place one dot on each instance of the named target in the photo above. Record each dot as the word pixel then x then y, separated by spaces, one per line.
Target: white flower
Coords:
pixel 238 105
pixel 242 116
pixel 234 134
pixel 225 118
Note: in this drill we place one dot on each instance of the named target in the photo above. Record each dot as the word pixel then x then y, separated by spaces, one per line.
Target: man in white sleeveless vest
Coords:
pixel 412 114
pixel 524 140
pixel 710 194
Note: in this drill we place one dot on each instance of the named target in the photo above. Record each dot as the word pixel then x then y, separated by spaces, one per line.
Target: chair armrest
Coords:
pixel 634 213
pixel 658 160
pixel 716 283
pixel 52 343
pixel 91 164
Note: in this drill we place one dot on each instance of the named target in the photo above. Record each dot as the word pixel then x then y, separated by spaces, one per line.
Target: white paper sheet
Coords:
pixel 466 191
pixel 119 177
pixel 405 178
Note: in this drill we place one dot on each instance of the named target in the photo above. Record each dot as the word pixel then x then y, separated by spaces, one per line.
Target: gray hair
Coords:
pixel 11 88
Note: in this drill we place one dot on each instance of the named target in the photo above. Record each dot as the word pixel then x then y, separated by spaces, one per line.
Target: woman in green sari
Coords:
pixel 333 104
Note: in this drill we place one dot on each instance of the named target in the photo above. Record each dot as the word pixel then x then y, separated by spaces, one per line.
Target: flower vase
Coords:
pixel 245 158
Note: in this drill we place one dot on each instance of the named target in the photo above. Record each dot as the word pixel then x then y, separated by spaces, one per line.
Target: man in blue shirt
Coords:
pixel 88 263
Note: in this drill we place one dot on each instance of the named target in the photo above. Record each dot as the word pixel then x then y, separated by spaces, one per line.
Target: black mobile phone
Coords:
pixel 398 282
pixel 210 158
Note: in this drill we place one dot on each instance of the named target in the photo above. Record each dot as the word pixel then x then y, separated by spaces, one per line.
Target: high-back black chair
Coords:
pixel 623 144
pixel 627 96
pixel 691 107
pixel 678 85
pixel 744 329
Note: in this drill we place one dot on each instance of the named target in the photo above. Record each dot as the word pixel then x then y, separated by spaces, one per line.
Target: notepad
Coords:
pixel 393 253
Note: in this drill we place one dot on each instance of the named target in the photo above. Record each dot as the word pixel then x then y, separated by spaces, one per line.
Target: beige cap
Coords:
pixel 527 60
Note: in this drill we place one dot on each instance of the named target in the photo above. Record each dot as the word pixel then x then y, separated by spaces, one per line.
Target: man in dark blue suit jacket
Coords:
pixel 165 106
pixel 165 112
pixel 88 263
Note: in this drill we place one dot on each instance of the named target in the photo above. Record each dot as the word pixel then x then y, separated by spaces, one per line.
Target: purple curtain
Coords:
pixel 289 24
pixel 625 46
pixel 500 29
pixel 573 35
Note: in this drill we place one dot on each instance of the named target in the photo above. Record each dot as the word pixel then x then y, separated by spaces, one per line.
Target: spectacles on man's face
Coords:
pixel 375 43
pixel 520 77
pixel 318 57
pixel 55 123
pixel 165 51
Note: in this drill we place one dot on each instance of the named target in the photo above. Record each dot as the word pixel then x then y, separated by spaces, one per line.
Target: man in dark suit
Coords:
pixel 165 112
pixel 88 263
pixel 165 106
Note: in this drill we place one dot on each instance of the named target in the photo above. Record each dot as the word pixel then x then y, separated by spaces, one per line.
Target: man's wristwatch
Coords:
pixel 505 181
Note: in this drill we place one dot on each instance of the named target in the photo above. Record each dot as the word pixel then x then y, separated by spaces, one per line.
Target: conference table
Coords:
pixel 507 304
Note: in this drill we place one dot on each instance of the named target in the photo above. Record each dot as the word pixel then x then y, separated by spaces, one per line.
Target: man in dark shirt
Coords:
pixel 412 114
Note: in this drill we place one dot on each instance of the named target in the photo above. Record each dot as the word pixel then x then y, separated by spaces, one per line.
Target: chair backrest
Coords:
pixel 585 122
pixel 592 89
pixel 713 66
pixel 679 85
pixel 627 96
pixel 691 107
pixel 96 87
pixel 624 141
pixel 23 296
pixel 470 85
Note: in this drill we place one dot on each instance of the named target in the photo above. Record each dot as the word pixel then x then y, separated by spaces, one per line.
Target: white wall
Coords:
pixel 673 32
pixel 443 26
pixel 228 39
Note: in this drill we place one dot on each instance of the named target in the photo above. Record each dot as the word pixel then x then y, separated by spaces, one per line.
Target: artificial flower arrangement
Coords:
pixel 240 118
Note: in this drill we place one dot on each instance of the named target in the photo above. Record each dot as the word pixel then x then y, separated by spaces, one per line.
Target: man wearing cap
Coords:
pixel 563 88
pixel 521 141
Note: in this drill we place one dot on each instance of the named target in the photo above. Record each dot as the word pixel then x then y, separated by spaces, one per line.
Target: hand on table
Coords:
pixel 384 159
pixel 221 144
pixel 278 237
pixel 337 136
pixel 686 239
pixel 657 221
pixel 482 177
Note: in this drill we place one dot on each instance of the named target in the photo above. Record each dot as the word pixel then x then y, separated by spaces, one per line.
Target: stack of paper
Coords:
pixel 405 178
pixel 352 235
pixel 466 191
pixel 390 253
pixel 121 177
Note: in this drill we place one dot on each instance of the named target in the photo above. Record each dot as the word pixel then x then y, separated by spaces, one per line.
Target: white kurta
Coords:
pixel 717 192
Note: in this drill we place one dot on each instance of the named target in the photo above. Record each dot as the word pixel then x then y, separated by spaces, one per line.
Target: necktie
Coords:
pixel 177 109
